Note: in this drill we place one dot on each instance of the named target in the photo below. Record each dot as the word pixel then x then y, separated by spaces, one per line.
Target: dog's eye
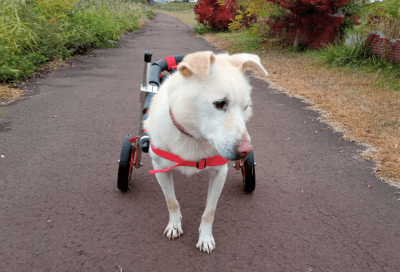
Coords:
pixel 219 105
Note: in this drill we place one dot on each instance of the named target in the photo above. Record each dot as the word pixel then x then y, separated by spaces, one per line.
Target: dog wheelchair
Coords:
pixel 133 146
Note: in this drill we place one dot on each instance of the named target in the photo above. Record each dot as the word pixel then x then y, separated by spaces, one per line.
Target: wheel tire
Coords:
pixel 125 164
pixel 249 174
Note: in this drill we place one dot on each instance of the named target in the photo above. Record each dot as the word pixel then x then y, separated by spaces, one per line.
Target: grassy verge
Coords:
pixel 357 95
pixel 34 33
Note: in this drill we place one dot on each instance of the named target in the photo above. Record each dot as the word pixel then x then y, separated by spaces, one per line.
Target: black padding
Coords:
pixel 179 58
pixel 147 56
pixel 163 64
pixel 164 77
pixel 154 74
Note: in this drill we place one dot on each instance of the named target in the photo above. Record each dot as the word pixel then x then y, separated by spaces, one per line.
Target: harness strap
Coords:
pixel 212 161
pixel 178 126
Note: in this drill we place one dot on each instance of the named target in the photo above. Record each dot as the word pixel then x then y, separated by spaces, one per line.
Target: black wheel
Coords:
pixel 125 164
pixel 249 173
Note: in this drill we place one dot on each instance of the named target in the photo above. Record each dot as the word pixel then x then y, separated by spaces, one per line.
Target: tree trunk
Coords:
pixel 296 39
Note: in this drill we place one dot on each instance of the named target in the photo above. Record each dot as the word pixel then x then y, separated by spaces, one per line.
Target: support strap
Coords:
pixel 212 161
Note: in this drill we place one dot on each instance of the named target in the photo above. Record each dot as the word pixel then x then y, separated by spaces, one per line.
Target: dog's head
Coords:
pixel 211 100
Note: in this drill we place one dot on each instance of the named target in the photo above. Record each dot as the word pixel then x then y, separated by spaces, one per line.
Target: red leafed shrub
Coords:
pixel 211 13
pixel 308 17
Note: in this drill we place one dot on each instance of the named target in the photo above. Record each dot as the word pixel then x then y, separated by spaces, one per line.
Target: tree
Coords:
pixel 307 16
pixel 211 13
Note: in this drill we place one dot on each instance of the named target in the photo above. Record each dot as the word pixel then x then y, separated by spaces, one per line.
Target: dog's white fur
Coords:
pixel 203 79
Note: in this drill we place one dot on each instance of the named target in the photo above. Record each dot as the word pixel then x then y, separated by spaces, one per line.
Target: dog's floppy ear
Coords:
pixel 243 61
pixel 197 63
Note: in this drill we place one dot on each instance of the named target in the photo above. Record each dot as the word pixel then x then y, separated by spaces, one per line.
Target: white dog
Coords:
pixel 200 112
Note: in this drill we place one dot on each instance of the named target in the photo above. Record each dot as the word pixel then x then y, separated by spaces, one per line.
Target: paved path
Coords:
pixel 315 207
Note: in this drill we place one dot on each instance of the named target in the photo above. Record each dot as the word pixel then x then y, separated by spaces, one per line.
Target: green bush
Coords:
pixel 202 29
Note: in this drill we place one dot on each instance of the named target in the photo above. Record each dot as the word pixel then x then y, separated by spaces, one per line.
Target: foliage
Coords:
pixel 202 29
pixel 383 17
pixel 351 12
pixel 383 9
pixel 308 16
pixel 55 9
pixel 37 31
pixel 249 11
pixel 17 33
pixel 210 13
pixel 13 66
pixel 389 26
pixel 150 13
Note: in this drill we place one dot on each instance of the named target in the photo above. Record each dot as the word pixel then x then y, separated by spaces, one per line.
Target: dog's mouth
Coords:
pixel 233 153
pixel 222 151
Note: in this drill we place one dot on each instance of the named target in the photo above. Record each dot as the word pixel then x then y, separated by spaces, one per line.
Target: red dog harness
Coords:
pixel 212 161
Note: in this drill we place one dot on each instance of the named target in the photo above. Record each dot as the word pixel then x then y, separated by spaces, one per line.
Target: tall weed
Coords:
pixel 35 31
pixel 17 33
pixel 348 55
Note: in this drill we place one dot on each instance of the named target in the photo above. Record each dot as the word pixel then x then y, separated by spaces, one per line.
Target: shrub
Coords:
pixel 202 29
pixel 307 16
pixel 210 13
pixel 55 9
pixel 13 66
pixel 252 12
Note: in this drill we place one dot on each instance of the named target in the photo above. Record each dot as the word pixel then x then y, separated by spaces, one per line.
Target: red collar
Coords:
pixel 181 129
pixel 212 161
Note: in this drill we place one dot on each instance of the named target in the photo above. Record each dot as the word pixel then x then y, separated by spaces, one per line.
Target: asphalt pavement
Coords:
pixel 317 205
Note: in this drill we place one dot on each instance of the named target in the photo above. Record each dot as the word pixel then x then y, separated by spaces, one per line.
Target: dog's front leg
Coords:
pixel 174 228
pixel 206 241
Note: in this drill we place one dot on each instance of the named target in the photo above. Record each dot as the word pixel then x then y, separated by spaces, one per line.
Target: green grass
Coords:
pixel 244 41
pixel 42 30
pixel 180 7
pixel 360 57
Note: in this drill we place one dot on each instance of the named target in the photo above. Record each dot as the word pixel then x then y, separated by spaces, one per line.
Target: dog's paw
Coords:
pixel 206 243
pixel 173 231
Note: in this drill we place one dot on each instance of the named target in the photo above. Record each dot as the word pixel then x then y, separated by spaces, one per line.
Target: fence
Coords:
pixel 384 47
